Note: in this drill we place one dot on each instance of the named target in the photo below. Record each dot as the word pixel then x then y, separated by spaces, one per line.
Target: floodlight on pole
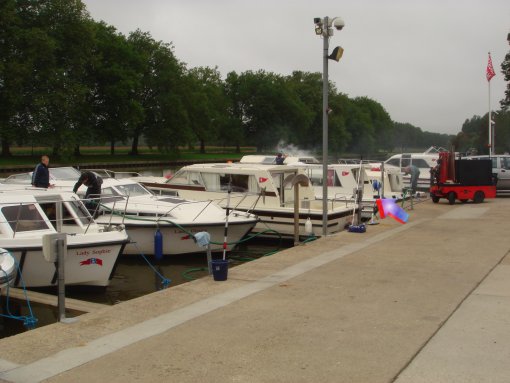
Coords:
pixel 324 27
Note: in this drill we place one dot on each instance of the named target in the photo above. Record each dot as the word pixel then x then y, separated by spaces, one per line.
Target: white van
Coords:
pixel 500 168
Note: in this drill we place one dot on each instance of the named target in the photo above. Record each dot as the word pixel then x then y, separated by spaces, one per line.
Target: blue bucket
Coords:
pixel 219 269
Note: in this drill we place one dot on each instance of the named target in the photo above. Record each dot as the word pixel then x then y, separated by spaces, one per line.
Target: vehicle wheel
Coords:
pixel 435 199
pixel 479 197
pixel 451 198
pixel 463 200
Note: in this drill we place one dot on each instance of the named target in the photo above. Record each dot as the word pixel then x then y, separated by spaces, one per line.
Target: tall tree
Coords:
pixel 115 69
pixel 307 90
pixel 165 123
pixel 206 104
pixel 63 109
pixel 25 59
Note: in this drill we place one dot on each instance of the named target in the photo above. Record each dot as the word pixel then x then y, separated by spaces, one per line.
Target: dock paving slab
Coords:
pixel 420 302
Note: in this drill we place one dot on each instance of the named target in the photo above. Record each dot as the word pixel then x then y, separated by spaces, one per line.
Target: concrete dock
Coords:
pixel 427 301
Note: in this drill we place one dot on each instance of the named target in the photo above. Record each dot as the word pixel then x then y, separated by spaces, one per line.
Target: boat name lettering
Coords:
pixel 86 253
pixel 102 251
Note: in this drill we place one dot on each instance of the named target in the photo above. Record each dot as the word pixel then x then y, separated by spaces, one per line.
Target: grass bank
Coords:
pixel 24 156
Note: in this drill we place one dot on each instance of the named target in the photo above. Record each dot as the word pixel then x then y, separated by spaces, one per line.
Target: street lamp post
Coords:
pixel 323 27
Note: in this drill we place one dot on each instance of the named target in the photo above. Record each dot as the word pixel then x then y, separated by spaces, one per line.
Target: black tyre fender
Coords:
pixel 435 198
pixel 451 197
pixel 479 197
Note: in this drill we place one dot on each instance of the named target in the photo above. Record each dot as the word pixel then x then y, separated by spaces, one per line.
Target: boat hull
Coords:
pixel 89 263
pixel 177 240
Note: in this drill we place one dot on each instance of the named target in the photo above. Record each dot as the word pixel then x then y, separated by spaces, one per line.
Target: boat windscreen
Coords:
pixel 67 173
pixel 24 218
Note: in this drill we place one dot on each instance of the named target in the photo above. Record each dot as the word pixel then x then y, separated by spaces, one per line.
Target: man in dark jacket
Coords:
pixel 93 183
pixel 41 174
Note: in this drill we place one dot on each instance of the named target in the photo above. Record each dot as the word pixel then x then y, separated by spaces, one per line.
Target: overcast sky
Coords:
pixel 423 60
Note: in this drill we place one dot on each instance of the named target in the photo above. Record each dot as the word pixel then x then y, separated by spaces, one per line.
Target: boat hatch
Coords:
pixel 172 200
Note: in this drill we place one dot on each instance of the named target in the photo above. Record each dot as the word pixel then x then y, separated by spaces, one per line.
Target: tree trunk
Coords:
pixel 6 148
pixel 77 151
pixel 112 147
pixel 202 146
pixel 134 145
pixel 56 151
pixel 238 148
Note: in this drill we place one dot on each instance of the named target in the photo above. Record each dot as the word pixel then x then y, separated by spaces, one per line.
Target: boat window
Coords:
pixel 238 182
pixel 394 162
pixel 25 178
pixel 195 179
pixel 24 218
pixel 110 195
pixel 253 185
pixel 211 181
pixel 108 192
pixel 132 190
pixel 420 163
pixel 180 178
pixel 79 210
pixel 184 177
pixel 494 162
pixel 65 173
pixel 505 162
pixel 50 209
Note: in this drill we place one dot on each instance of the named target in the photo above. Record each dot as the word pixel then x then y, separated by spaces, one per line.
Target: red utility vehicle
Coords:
pixel 461 179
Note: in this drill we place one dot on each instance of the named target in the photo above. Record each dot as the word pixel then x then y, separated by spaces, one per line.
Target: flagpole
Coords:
pixel 491 151
pixel 490 74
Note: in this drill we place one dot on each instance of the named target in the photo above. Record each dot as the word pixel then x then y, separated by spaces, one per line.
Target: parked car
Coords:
pixel 500 169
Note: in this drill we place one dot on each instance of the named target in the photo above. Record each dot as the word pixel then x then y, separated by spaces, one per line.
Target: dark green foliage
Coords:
pixel 474 134
pixel 505 69
pixel 67 80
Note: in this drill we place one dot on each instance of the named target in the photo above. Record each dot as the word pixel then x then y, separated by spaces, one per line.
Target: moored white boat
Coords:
pixel 142 213
pixel 265 190
pixel 345 179
pixel 24 220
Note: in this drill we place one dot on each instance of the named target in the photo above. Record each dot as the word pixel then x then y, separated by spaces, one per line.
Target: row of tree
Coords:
pixel 67 80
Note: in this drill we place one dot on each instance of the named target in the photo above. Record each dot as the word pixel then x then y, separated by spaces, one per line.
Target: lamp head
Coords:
pixel 338 23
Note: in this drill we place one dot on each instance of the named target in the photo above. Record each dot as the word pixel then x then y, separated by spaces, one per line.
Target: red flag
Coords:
pixel 92 261
pixel 490 69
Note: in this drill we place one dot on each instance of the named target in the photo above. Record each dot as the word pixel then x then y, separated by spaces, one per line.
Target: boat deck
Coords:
pixel 427 301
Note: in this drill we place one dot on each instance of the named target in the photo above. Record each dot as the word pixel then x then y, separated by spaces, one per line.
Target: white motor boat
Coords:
pixel 266 190
pixel 345 179
pixel 27 215
pixel 126 202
